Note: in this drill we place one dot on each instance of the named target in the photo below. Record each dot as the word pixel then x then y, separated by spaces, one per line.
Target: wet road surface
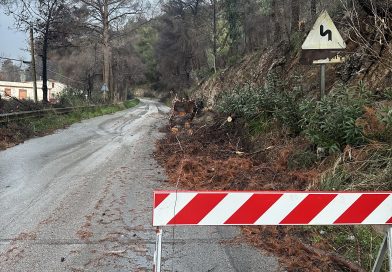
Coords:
pixel 81 200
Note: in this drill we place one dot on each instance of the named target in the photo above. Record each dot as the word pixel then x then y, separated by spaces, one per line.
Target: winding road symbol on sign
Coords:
pixel 325 33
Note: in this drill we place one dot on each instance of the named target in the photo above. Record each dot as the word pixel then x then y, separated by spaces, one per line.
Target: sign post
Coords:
pixel 323 45
pixel 322 80
pixel 105 90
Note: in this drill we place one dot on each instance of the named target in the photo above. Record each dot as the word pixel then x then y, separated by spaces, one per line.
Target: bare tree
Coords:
pixel 104 18
pixel 313 9
pixel 9 71
pixel 275 16
pixel 374 34
pixel 294 15
pixel 184 43
pixel 46 18
pixel 214 31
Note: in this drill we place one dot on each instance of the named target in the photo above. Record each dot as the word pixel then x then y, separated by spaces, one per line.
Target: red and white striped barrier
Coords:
pixel 272 208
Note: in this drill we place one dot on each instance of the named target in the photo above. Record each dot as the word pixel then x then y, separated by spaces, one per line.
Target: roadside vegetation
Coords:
pixel 345 137
pixel 279 138
pixel 243 59
pixel 52 121
pixel 18 131
pixel 280 134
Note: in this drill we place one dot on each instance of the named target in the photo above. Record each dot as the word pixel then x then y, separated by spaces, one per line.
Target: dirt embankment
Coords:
pixel 217 155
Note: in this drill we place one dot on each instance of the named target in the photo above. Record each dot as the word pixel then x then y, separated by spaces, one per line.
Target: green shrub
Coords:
pixel 131 103
pixel 388 93
pixel 72 97
pixel 242 101
pixel 258 125
pixel 386 117
pixel 270 102
pixel 331 122
pixel 287 110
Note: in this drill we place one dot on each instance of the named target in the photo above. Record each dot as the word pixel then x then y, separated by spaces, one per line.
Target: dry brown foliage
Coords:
pixel 219 157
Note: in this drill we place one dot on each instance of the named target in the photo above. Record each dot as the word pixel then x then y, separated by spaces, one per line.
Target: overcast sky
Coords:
pixel 12 43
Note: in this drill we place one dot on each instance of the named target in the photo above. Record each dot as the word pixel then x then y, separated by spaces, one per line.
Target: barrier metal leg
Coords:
pixel 385 246
pixel 389 237
pixel 158 251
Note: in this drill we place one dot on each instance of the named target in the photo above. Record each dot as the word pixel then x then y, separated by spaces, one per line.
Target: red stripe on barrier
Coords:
pixel 361 208
pixel 389 221
pixel 159 197
pixel 197 208
pixel 253 209
pixel 311 206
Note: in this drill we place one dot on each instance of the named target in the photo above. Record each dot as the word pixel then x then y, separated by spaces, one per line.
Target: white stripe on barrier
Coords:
pixel 285 204
pixel 335 209
pixel 379 215
pixel 229 205
pixel 174 203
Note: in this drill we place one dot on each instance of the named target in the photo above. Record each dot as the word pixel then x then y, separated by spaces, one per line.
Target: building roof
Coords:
pixel 27 84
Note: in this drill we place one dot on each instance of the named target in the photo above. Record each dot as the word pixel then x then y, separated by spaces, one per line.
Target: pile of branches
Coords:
pixel 220 156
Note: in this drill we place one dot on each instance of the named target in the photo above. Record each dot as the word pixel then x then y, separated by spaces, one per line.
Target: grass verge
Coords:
pixel 17 132
pixel 52 122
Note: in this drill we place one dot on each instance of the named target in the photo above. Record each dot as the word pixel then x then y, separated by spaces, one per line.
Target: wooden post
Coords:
pixel 33 64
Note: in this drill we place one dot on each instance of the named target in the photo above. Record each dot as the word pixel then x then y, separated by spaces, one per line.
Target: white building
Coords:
pixel 24 90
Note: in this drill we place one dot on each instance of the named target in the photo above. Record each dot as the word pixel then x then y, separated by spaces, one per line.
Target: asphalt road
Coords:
pixel 81 200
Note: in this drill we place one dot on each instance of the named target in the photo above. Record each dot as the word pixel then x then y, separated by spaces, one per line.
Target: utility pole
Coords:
pixel 33 64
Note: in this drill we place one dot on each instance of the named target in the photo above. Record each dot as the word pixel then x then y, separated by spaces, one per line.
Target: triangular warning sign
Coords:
pixel 324 35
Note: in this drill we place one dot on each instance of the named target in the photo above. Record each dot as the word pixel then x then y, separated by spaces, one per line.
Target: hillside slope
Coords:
pixel 283 61
pixel 278 140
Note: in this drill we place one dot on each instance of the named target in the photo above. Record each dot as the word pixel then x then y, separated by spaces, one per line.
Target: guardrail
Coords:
pixel 21 115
